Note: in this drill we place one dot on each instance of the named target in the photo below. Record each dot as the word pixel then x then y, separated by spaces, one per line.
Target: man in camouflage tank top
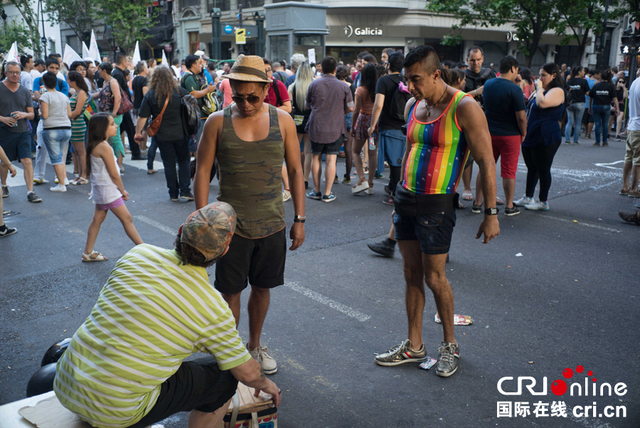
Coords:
pixel 249 139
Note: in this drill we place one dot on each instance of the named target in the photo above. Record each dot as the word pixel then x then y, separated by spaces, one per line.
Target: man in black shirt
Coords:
pixel 475 58
pixel 127 122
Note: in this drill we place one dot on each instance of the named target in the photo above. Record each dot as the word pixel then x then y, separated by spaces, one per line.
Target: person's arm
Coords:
pixel 476 92
pixel 250 373
pixel 206 155
pixel 115 90
pixel 553 98
pixel 521 117
pixel 193 88
pixel 44 109
pixel 6 162
pixel 296 175
pixel 349 105
pixel 104 151
pixel 69 113
pixel 377 109
pixel 473 123
pixel 616 107
pixel 65 87
pixel 80 100
pixel 286 106
pixel 143 115
pixel 36 89
pixel 356 113
pixel 145 89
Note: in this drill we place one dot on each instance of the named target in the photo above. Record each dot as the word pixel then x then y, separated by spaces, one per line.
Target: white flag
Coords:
pixel 164 59
pixel 94 52
pixel 136 55
pixel 69 55
pixel 13 55
pixel 85 53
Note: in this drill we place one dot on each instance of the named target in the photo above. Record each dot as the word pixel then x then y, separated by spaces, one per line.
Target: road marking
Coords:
pixel 609 165
pixel 594 226
pixel 579 175
pixel 155 224
pixel 326 301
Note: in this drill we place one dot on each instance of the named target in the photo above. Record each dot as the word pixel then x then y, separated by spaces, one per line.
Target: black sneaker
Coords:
pixel 476 209
pixel 386 248
pixel 6 231
pixel 174 199
pixel 5 191
pixel 509 212
pixel 32 197
pixel 187 196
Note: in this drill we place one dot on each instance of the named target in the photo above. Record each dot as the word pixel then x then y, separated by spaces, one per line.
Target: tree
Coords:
pixel 531 18
pixel 77 14
pixel 578 19
pixel 30 17
pixel 127 19
pixel 14 31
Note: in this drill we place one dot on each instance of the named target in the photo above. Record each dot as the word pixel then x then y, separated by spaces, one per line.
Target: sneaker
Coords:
pixel 5 191
pixel 596 144
pixel 346 180
pixel 401 354
pixel 510 212
pixel 314 195
pixel 151 171
pixel 187 196
pixel 524 200
pixel 60 188
pixel 39 181
pixel 387 191
pixel 329 198
pixel 6 231
pixel 335 180
pixel 32 197
pixel 268 364
pixel 388 200
pixel 605 144
pixel 66 181
pixel 386 248
pixel 174 198
pixel 360 187
pixel 476 209
pixel 286 195
pixel 377 175
pixel 448 359
pixel 538 206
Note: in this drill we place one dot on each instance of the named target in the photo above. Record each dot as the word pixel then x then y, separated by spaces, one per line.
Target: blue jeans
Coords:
pixel 601 116
pixel 151 153
pixel 57 142
pixel 176 152
pixel 574 116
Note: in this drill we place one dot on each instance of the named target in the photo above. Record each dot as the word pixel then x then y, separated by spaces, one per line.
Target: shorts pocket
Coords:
pixel 431 221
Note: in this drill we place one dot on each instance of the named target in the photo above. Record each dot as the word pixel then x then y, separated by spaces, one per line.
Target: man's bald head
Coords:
pixel 425 55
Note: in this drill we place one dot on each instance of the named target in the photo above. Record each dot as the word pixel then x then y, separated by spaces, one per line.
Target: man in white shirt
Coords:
pixel 632 157
pixel 39 67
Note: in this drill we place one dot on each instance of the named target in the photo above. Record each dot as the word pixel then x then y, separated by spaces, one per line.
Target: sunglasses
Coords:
pixel 251 99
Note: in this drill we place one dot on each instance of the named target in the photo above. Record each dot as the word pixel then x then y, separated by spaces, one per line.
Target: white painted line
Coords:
pixel 580 175
pixel 609 165
pixel 594 226
pixel 326 301
pixel 604 185
pixel 155 224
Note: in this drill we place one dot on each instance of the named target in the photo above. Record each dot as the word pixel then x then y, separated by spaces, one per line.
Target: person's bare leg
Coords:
pixel 330 172
pixel 392 232
pixel 233 300
pixel 4 173
pixel 308 157
pixel 94 229
pixel 127 222
pixel 414 291
pixel 61 173
pixel 466 178
pixel 27 166
pixel 635 178
pixel 316 172
pixel 589 128
pixel 626 173
pixel 479 195
pixel 373 164
pixel 257 307
pixel 436 279
pixel 198 419
pixel 357 160
pixel 509 185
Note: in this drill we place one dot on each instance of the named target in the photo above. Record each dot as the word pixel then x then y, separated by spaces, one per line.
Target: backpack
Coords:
pixel 190 114
pixel 209 103
pixel 399 100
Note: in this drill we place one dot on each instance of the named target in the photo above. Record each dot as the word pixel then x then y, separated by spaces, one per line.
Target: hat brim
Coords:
pixel 242 77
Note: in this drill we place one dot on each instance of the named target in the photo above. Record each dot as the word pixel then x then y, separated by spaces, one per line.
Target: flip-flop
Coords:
pixel 79 181
pixel 467 195
pixel 98 258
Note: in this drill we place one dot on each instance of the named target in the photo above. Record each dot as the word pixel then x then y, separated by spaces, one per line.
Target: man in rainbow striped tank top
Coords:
pixel 443 126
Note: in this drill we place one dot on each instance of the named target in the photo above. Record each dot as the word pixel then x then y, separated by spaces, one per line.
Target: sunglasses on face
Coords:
pixel 251 99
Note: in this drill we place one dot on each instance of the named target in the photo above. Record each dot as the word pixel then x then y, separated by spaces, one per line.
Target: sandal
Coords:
pixel 630 217
pixel 98 257
pixel 623 192
pixel 360 187
pixel 80 181
pixel 499 201
pixel 467 195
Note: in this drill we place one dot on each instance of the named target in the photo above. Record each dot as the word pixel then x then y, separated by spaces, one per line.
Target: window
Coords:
pixel 223 5
pixel 194 41
pixel 187 3
pixel 279 47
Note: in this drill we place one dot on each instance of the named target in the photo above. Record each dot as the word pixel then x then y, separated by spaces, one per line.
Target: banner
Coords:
pixel 94 52
pixel 164 59
pixel 86 55
pixel 69 55
pixel 13 55
pixel 136 55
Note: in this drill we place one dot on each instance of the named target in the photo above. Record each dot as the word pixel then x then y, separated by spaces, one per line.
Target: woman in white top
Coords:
pixel 55 111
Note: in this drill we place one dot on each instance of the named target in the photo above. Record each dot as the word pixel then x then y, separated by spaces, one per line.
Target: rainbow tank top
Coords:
pixel 438 152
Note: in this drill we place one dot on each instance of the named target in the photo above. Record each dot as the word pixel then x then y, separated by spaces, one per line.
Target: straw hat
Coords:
pixel 248 68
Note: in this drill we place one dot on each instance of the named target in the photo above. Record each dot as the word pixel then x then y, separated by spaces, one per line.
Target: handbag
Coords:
pixel 247 411
pixel 153 127
pixel 125 104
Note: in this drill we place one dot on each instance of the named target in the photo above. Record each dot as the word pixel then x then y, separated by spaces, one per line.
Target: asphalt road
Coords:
pixel 555 290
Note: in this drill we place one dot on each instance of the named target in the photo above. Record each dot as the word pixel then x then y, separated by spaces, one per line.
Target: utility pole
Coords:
pixel 216 34
pixel 260 36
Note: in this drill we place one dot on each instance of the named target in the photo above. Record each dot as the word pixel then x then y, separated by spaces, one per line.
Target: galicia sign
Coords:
pixel 358 31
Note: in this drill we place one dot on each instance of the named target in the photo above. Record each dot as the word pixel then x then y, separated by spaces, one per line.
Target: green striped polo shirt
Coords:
pixel 152 313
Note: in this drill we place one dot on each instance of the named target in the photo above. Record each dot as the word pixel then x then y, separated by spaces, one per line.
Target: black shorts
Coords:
pixel 327 149
pixel 432 231
pixel 16 145
pixel 198 384
pixel 260 261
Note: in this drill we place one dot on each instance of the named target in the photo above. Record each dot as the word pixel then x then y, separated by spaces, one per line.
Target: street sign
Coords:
pixel 628 50
pixel 241 36
pixel 228 29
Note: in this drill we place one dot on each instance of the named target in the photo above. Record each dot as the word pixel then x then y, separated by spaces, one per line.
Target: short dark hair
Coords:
pixel 191 256
pixel 462 65
pixel 190 60
pixel 175 61
pixel 24 59
pixel 507 63
pixel 211 65
pixel 475 48
pixel 107 67
pixel 51 60
pixel 423 54
pixel 283 63
pixel 362 54
pixel 342 72
pixel 75 64
pixel 370 58
pixel 120 58
pixel 38 62
pixel 50 80
pixel 266 61
pixel 329 64
pixel 395 62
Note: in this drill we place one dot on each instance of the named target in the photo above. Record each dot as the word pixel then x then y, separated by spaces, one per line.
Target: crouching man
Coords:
pixel 124 366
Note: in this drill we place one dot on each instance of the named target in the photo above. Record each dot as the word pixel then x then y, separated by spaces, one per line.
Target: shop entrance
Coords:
pixel 348 54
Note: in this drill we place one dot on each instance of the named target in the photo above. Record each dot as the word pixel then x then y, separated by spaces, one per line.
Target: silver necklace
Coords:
pixel 429 108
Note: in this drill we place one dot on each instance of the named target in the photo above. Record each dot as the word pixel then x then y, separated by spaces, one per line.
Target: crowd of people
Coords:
pixel 265 128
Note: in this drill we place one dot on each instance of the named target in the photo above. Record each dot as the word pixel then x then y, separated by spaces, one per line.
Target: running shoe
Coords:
pixel 524 200
pixel 401 354
pixel 537 206
pixel 5 191
pixel 314 195
pixel 32 197
pixel 268 364
pixel 510 212
pixel 286 195
pixel 187 196
pixel 329 198
pixel 6 231
pixel 385 248
pixel 40 181
pixel 448 359
pixel 346 180
pixel 60 188
pixel 388 200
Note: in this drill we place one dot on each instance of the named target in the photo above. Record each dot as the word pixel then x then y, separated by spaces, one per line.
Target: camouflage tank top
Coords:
pixel 251 178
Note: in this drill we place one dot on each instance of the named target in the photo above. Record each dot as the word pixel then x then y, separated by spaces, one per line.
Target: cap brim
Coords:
pixel 244 78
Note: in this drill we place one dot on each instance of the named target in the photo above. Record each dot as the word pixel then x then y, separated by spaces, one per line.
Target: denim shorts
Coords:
pixel 327 149
pixel 57 142
pixel 433 231
pixel 394 143
pixel 348 118
pixel 16 145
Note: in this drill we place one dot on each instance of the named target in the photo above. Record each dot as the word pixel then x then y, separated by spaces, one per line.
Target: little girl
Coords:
pixel 107 190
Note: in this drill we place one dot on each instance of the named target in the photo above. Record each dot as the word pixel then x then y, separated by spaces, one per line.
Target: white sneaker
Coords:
pixel 267 363
pixel 286 195
pixel 66 181
pixel 524 200
pixel 59 188
pixel 537 206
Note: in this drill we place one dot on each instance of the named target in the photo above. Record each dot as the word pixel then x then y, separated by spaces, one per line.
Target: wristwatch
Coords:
pixel 299 219
pixel 491 211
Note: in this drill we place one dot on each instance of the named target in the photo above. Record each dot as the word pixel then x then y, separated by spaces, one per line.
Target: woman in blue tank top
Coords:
pixel 543 136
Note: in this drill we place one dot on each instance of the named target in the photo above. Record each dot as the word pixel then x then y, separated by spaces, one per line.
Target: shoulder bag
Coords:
pixel 153 127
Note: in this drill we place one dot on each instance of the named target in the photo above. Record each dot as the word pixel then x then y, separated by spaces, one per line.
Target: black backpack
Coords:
pixel 190 114
pixel 398 102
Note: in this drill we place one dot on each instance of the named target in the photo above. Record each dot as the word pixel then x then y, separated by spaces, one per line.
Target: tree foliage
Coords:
pixel 578 20
pixel 30 16
pixel 79 15
pixel 128 20
pixel 14 31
